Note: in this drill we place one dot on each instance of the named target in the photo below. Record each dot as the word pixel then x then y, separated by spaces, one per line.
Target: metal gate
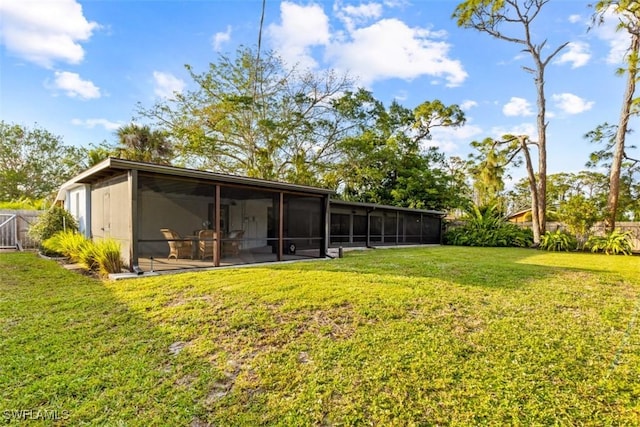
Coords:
pixel 8 231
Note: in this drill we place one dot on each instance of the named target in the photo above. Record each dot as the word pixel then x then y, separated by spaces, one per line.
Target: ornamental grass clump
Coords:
pixel 107 256
pixel 67 243
pixel 102 256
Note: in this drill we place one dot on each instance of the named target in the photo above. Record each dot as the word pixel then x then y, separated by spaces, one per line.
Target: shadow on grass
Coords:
pixel 71 350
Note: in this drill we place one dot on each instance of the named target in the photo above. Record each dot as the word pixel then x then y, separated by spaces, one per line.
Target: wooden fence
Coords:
pixel 17 223
pixel 599 230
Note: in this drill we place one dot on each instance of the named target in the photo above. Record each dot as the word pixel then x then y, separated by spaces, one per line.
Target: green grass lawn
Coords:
pixel 428 336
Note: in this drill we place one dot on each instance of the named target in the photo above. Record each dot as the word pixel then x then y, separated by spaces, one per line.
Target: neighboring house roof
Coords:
pixel 374 206
pixel 113 166
pixel 519 213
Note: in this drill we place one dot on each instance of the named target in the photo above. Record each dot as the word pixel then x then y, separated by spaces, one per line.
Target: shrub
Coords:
pixel 68 243
pixel 615 243
pixel 107 256
pixel 102 256
pixel 558 241
pixel 579 214
pixel 52 221
pixel 26 204
pixel 484 226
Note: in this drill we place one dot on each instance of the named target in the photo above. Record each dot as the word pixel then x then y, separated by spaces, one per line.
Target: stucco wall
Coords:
pixel 250 216
pixel 111 212
pixel 76 203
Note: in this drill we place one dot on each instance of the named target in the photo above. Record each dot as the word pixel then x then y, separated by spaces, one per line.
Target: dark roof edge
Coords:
pixel 122 164
pixel 375 206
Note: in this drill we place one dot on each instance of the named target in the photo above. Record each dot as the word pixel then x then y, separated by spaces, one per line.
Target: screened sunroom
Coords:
pixel 169 218
pixel 355 224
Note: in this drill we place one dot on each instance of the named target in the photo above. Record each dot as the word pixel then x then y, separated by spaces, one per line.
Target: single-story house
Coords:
pixel 166 217
pixel 520 216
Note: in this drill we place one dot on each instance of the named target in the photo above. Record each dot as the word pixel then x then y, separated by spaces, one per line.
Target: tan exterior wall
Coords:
pixel 250 216
pixel 111 213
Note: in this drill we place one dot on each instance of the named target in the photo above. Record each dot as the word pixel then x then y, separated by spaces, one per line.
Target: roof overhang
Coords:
pixel 373 207
pixel 114 166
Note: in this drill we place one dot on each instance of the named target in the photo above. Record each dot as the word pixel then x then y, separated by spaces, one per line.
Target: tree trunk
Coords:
pixel 618 155
pixel 533 185
pixel 542 150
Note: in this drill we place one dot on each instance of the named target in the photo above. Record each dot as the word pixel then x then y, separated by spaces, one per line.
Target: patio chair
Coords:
pixel 231 245
pixel 206 243
pixel 178 247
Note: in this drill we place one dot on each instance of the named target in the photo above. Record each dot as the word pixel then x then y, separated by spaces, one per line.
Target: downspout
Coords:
pixel 369 211
pixel 217 243
pixel 134 250
pixel 280 226
pixel 327 226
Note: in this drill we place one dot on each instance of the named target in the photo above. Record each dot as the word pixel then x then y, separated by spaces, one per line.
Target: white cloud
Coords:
pixel 221 38
pixel 468 104
pixel 618 41
pixel 517 107
pixel 391 49
pixel 302 28
pixel 574 19
pixel 384 49
pixel 522 129
pixel 368 10
pixel 402 95
pixel 74 86
pixel 166 84
pixel 357 15
pixel 91 123
pixel 576 53
pixel 46 31
pixel 450 139
pixel 571 104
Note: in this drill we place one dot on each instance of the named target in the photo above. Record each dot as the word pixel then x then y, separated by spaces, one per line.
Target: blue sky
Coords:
pixel 78 68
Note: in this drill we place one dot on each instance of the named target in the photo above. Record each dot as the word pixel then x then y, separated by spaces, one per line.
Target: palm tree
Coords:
pixel 141 143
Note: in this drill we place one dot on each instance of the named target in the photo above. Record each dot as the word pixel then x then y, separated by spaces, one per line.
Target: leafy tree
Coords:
pixel 628 199
pixel 100 152
pixel 488 168
pixel 383 159
pixel 26 204
pixel 560 188
pixel 34 162
pixel 457 169
pixel 253 116
pixel 579 214
pixel 141 143
pixel 497 18
pixel 628 14
pixel 592 184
